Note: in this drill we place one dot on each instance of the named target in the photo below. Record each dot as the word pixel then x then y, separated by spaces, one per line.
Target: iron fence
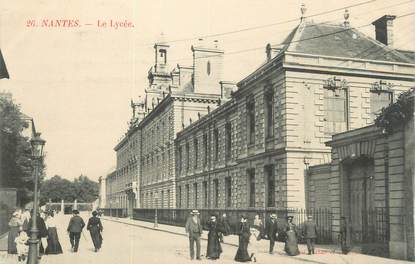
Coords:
pixel 177 217
pixel 114 212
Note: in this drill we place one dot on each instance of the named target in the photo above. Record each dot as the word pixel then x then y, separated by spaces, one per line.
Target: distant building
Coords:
pixel 174 99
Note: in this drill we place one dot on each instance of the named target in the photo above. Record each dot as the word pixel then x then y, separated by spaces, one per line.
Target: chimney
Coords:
pixel 384 29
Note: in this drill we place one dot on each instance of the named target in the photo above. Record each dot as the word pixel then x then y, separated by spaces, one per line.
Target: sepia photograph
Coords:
pixel 207 131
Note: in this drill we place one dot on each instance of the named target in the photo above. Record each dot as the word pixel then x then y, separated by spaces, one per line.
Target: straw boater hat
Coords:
pixel 273 215
pixel 194 212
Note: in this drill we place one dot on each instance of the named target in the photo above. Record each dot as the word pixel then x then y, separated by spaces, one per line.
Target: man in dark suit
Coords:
pixel 76 224
pixel 310 234
pixel 271 231
pixel 194 229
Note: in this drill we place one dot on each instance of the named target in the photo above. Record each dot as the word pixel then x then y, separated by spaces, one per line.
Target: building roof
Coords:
pixel 341 41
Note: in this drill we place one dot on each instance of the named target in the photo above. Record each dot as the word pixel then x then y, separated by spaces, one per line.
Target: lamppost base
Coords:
pixel 33 256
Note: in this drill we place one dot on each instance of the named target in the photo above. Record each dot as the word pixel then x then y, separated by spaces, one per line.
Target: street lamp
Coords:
pixel 37 153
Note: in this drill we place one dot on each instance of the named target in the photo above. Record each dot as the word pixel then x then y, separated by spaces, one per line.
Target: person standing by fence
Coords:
pixel 310 234
pixel 291 244
pixel 194 229
pixel 244 233
pixel 214 248
pixel 344 236
pixel 271 232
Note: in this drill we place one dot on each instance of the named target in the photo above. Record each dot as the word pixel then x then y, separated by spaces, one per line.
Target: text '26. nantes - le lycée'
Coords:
pixel 74 23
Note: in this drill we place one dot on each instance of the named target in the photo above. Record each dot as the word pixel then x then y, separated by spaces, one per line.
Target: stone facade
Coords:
pixel 280 118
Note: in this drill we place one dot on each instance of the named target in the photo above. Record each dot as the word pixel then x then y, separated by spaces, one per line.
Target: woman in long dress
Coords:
pixel 291 245
pixel 14 228
pixel 214 248
pixel 54 247
pixel 95 229
pixel 244 233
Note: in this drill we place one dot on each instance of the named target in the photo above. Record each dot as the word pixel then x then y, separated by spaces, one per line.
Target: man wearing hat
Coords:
pixel 194 229
pixel 271 231
pixel 76 224
pixel 310 233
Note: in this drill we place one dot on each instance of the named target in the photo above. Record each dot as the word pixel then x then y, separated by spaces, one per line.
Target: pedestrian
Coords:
pixel 310 234
pixel 194 229
pixel 76 224
pixel 15 225
pixel 256 233
pixel 345 235
pixel 42 231
pixel 272 232
pixel 54 247
pixel 25 220
pixel 95 229
pixel 225 227
pixel 291 244
pixel 22 246
pixel 244 233
pixel 214 248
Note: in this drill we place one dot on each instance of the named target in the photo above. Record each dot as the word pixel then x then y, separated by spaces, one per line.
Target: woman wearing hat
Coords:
pixel 95 229
pixel 291 246
pixel 54 247
pixel 244 233
pixel 214 248
pixel 15 226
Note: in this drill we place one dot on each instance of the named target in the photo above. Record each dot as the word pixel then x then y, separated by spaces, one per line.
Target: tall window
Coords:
pixel 250 109
pixel 180 159
pixel 216 192
pixel 187 156
pixel 269 112
pixel 179 197
pixel 228 140
pixel 205 149
pixel 216 142
pixel 196 146
pixel 195 194
pixel 335 111
pixel 168 198
pixel 379 100
pixel 187 196
pixel 270 187
pixel 251 185
pixel 228 191
pixel 205 194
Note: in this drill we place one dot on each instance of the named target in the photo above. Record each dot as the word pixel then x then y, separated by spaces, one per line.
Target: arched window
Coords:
pixel 208 67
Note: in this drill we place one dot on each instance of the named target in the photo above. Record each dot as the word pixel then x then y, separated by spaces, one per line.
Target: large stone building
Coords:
pixel 254 150
pixel 145 171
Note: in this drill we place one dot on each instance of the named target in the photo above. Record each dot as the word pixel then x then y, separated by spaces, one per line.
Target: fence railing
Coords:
pixel 178 217
pixel 114 212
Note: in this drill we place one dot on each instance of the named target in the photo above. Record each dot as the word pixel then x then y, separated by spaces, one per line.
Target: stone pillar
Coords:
pixel 62 207
pixel 75 204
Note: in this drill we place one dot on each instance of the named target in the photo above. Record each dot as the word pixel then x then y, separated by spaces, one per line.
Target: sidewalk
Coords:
pixel 231 240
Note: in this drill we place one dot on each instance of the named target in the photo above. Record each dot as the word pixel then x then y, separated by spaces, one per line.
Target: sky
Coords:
pixel 77 83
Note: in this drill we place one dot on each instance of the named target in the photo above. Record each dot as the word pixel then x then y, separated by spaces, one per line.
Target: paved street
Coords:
pixel 126 243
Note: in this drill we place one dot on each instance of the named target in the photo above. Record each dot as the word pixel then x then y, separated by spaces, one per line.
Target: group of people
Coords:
pixel 19 233
pixel 248 235
pixel 20 225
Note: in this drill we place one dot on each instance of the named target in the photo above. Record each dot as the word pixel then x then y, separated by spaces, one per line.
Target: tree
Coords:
pixel 56 189
pixel 16 164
